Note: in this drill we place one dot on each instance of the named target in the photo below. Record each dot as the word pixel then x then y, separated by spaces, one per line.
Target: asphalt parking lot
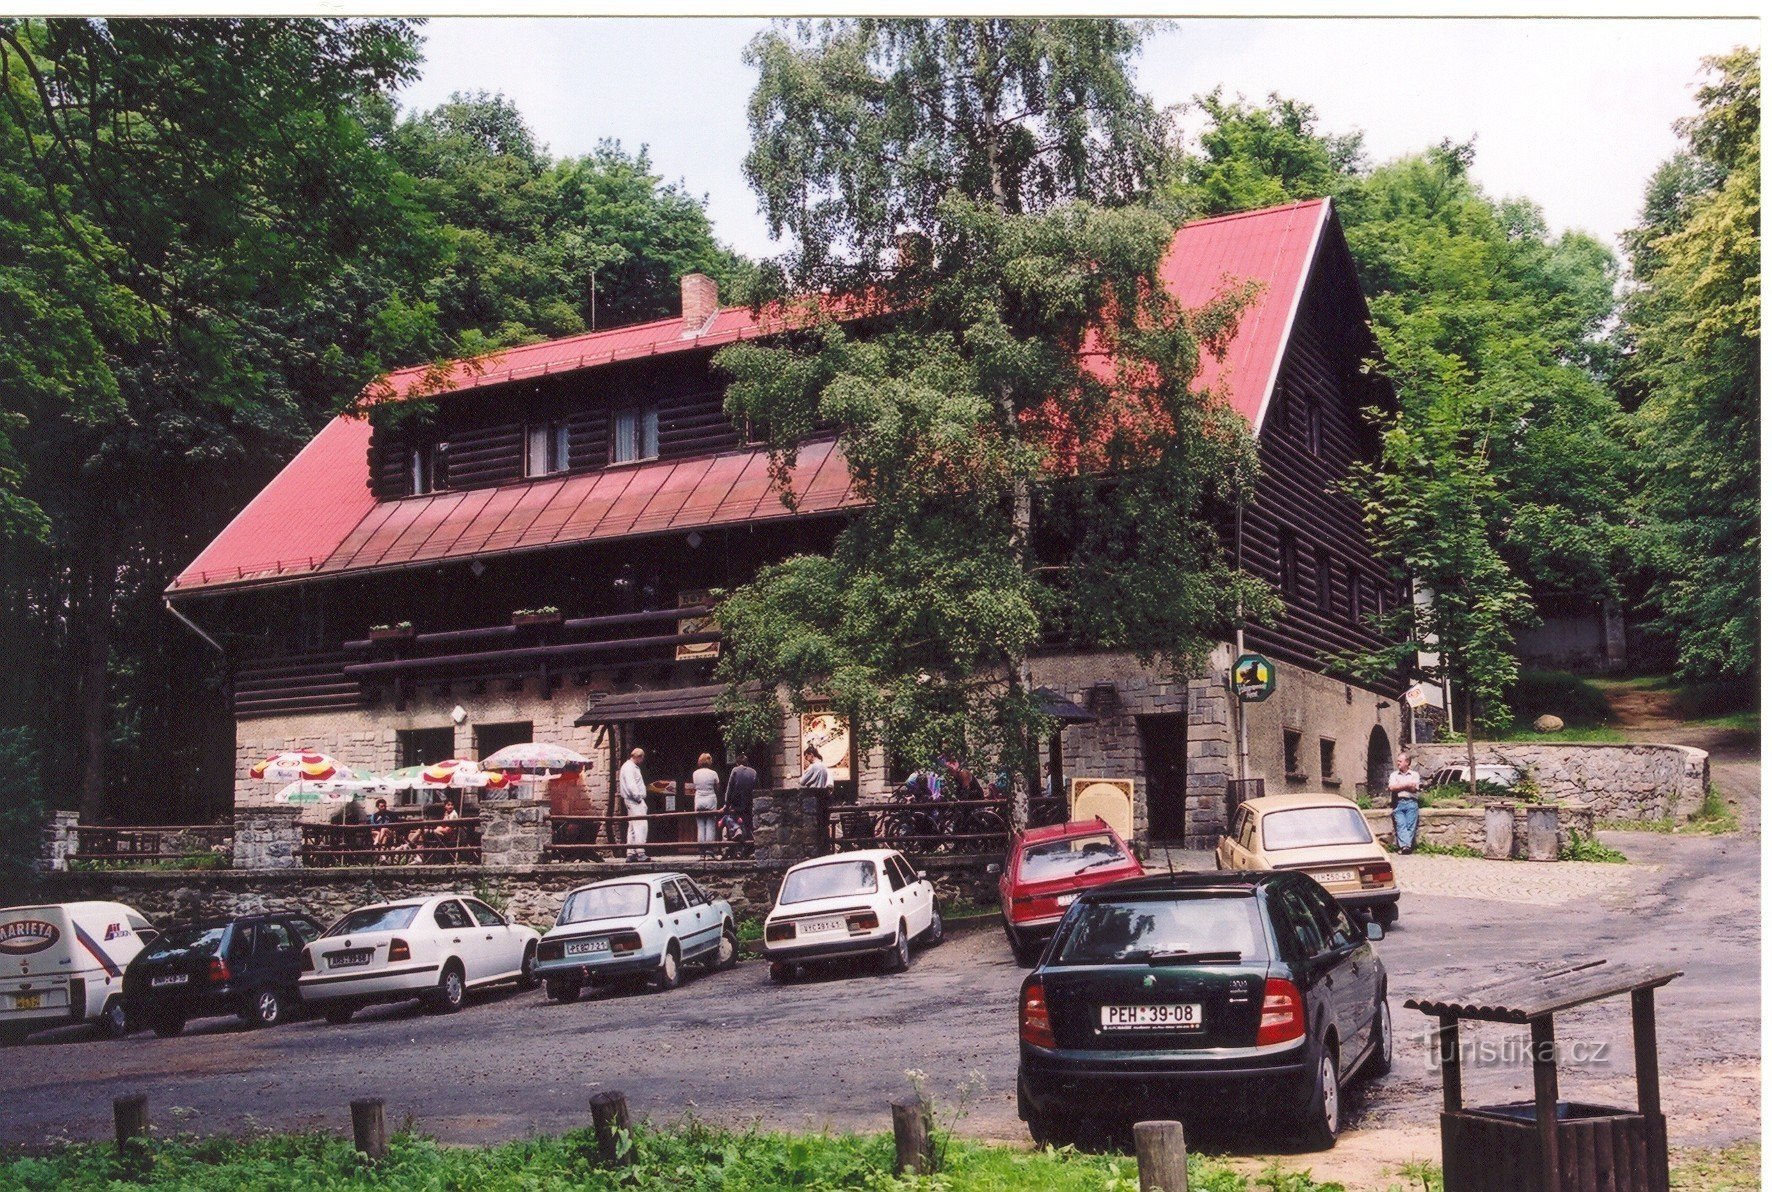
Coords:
pixel 832 1051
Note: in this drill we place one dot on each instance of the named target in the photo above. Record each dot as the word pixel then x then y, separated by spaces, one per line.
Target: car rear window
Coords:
pixel 375 918
pixel 1074 854
pixel 606 902
pixel 1313 827
pixel 187 943
pixel 833 879
pixel 1129 930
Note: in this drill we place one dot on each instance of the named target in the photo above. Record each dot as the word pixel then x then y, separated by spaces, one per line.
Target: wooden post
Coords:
pixel 609 1116
pixel 1544 1087
pixel 131 1116
pixel 914 1136
pixel 1642 1020
pixel 369 1128
pixel 1162 1156
pixel 1450 1073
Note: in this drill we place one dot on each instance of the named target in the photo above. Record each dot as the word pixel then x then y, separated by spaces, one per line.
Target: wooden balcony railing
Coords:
pixel 604 837
pixel 410 840
pixel 193 844
pixel 920 827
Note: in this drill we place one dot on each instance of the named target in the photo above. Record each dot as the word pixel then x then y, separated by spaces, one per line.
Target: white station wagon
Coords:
pixel 645 927
pixel 869 901
pixel 433 949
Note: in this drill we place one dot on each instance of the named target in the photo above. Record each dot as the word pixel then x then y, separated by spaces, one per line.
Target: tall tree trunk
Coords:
pixel 1470 741
pixel 97 613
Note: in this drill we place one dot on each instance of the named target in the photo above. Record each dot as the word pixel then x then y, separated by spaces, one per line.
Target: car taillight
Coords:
pixel 1376 875
pixel 627 941
pixel 864 921
pixel 1036 1023
pixel 550 950
pixel 399 950
pixel 779 931
pixel 1282 1013
pixel 218 970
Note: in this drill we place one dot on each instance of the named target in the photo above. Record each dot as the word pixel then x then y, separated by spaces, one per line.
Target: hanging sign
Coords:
pixel 1253 677
pixel 828 733
pixel 1416 696
pixel 695 651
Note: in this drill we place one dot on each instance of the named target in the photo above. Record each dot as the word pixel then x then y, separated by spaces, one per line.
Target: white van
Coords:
pixel 64 963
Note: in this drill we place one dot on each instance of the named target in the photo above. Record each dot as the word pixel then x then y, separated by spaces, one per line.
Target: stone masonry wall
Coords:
pixel 530 894
pixel 1632 782
pixel 1451 827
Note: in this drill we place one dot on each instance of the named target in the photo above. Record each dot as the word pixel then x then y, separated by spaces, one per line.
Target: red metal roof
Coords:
pixel 317 517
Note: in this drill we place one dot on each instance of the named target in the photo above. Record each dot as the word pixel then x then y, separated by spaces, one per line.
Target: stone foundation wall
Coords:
pixel 1632 782
pixel 1454 827
pixel 531 895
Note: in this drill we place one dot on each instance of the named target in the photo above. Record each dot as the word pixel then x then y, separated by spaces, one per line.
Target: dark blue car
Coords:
pixel 1252 996
pixel 248 965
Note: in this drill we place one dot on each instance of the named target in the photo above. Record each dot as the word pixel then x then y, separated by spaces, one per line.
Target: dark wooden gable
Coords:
pixel 1300 532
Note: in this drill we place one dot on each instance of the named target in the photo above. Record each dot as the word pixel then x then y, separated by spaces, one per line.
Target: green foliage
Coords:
pixel 983 443
pixel 1715 815
pixel 1571 698
pixel 1582 848
pixel 1253 156
pixel 1692 327
pixel 1429 849
pixel 22 810
pixel 688 1157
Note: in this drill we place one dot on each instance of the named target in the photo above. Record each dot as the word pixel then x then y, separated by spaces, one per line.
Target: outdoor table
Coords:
pixel 1549 1145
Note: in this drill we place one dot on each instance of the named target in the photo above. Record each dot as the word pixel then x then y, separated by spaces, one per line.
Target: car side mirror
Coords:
pixel 1374 930
pixel 922 875
pixel 993 869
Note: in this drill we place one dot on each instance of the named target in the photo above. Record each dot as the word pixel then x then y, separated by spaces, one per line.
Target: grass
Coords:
pixel 1714 817
pixel 1598 734
pixel 686 1157
pixel 1588 849
pixel 188 861
pixel 1729 1169
pixel 1747 721
pixel 1427 849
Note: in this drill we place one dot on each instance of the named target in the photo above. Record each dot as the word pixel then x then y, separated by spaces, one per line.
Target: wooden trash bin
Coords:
pixel 1547 1144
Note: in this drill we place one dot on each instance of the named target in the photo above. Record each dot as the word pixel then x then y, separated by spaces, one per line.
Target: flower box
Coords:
pixel 391 633
pixel 522 619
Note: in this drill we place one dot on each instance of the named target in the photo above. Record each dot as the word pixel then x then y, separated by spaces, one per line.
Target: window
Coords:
pixel 546 448
pixel 1302 918
pixel 634 434
pixel 1313 426
pixel 1326 756
pixel 1293 740
pixel 1325 580
pixel 273 938
pixel 1354 581
pixel 421 469
pixel 308 931
pixel 1288 563
pixel 422 746
pixel 895 874
pixel 490 738
pixel 449 915
pixel 673 898
pixel 485 914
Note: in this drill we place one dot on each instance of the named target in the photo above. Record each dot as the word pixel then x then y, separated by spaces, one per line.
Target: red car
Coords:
pixel 1043 872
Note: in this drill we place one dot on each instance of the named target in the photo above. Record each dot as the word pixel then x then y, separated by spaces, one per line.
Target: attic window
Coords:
pixel 545 448
pixel 421 469
pixel 1288 563
pixel 635 433
pixel 1313 426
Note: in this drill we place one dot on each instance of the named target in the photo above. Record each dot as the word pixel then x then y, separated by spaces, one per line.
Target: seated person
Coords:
pixel 382 820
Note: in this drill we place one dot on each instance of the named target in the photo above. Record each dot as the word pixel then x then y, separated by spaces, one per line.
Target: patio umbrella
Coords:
pixel 328 790
pixel 452 774
pixel 301 765
pixel 534 756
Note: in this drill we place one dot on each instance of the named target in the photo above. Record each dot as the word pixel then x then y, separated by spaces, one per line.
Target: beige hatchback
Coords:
pixel 1325 836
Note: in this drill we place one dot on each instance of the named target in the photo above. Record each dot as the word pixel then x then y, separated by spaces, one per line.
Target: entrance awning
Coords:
pixel 651 705
pixel 1060 708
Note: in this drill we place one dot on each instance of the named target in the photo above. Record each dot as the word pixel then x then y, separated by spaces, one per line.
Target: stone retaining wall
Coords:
pixel 530 894
pixel 1633 782
pixel 1450 827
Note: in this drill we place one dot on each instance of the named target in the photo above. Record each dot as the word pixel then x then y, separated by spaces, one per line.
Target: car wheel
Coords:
pixel 782 973
pixel 898 959
pixel 726 955
pixel 1379 1062
pixel 266 1009
pixel 526 977
pixel 670 969
pixel 451 990
pixel 111 1023
pixel 1321 1121
pixel 169 1026
pixel 1027 952
pixel 1386 916
pixel 936 931
pixel 338 1015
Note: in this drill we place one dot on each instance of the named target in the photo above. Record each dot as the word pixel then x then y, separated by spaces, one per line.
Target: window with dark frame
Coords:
pixel 1288 563
pixel 1325 580
pixel 546 448
pixel 1354 580
pixel 1313 426
pixel 490 738
pixel 1326 758
pixel 421 469
pixel 633 432
pixel 1293 740
pixel 423 746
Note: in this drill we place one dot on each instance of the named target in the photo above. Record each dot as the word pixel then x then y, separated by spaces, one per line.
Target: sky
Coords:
pixel 1574 114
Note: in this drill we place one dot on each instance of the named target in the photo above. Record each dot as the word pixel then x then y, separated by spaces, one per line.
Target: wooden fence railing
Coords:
pixel 920 827
pixel 604 837
pixel 410 840
pixel 122 845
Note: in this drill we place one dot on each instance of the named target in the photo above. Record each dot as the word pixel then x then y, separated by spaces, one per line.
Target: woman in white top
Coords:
pixel 707 799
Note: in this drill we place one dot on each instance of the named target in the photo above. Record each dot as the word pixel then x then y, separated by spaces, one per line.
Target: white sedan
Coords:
pixel 870 901
pixel 642 927
pixel 433 949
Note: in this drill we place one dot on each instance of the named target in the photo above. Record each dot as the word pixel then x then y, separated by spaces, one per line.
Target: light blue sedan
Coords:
pixel 647 927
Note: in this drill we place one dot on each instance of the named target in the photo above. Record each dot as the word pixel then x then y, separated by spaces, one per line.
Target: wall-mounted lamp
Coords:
pixel 458 714
pixel 478 568
pixel 694 539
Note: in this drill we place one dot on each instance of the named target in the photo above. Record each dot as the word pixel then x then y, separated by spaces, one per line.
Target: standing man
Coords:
pixel 633 795
pixel 1405 786
pixel 741 784
pixel 816 776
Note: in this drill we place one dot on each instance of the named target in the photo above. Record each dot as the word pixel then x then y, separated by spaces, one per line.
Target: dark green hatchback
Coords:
pixel 1253 996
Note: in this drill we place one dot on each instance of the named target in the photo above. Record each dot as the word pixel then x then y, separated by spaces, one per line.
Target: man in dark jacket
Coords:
pixel 741 784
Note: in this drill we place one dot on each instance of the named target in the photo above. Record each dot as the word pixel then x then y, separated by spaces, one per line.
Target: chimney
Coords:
pixel 913 250
pixel 701 299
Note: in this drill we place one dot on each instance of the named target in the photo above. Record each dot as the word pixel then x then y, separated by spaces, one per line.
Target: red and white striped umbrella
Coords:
pixel 300 765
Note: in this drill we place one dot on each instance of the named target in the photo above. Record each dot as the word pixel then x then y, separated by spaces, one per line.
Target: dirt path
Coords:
pixel 1649 715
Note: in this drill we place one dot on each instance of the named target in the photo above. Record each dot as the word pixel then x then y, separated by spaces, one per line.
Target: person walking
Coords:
pixel 741 784
pixel 706 781
pixel 1405 788
pixel 816 775
pixel 633 796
